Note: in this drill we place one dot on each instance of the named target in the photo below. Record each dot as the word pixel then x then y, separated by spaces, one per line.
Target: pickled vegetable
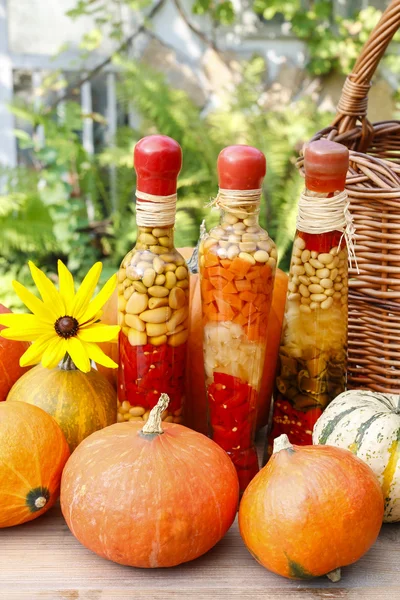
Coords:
pixel 155 326
pixel 312 356
pixel 313 352
pixel 153 297
pixel 237 269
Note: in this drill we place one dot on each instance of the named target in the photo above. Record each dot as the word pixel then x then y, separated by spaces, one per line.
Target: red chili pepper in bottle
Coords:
pixel 313 351
pixel 153 291
pixel 237 270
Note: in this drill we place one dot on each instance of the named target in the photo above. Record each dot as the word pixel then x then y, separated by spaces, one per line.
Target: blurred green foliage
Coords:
pixel 45 208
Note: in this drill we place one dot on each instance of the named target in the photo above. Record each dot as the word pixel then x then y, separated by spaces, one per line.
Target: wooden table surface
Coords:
pixel 41 560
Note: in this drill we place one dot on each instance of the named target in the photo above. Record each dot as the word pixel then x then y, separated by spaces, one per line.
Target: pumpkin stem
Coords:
pixel 67 364
pixel 193 262
pixel 153 424
pixel 282 443
pixel 334 575
pixel 40 502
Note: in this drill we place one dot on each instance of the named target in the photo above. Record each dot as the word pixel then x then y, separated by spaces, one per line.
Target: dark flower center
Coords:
pixel 66 327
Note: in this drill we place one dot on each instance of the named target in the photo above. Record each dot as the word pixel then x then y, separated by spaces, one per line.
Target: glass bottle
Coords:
pixel 153 291
pixel 237 270
pixel 313 351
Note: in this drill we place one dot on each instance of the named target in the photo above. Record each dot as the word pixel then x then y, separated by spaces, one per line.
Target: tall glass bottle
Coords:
pixel 237 270
pixel 153 291
pixel 313 351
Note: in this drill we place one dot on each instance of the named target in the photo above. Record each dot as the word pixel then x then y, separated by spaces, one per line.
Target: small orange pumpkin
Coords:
pixel 10 353
pixel 151 497
pixel 81 403
pixel 310 511
pixel 33 452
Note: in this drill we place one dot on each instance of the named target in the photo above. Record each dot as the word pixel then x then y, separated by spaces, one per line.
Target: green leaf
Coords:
pixel 91 40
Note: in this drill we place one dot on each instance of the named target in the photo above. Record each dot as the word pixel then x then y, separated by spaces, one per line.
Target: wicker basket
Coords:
pixel 373 186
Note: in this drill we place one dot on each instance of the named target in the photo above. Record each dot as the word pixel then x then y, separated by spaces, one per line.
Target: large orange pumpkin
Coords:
pixel 149 497
pixel 33 452
pixel 81 403
pixel 10 353
pixel 196 398
pixel 310 511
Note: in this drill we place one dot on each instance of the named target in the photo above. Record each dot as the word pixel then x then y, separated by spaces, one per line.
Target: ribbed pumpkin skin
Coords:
pixel 81 403
pixel 33 452
pixel 154 501
pixel 311 511
pixel 368 424
pixel 10 353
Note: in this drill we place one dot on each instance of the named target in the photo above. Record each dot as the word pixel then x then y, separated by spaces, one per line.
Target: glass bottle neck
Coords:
pixel 249 215
pixel 315 194
pixel 321 242
pixel 149 238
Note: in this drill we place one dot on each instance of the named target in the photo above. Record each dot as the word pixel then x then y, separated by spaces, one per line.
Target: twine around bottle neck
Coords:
pixel 319 213
pixel 237 201
pixel 155 211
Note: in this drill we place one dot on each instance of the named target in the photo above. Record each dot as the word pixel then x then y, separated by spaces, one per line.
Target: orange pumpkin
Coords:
pixel 10 353
pixel 33 452
pixel 272 350
pixel 310 511
pixel 81 403
pixel 149 497
pixel 196 398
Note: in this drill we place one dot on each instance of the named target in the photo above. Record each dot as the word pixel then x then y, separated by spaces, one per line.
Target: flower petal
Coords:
pixel 78 354
pixel 35 305
pixel 99 333
pixel 47 290
pixel 95 319
pixel 20 321
pixel 27 334
pixel 54 352
pixel 34 353
pixel 99 357
pixel 85 292
pixel 99 301
pixel 67 289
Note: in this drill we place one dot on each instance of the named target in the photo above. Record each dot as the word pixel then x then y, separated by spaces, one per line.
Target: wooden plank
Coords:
pixel 48 562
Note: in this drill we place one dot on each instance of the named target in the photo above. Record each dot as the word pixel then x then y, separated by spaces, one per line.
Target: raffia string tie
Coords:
pixel 152 211
pixel 318 215
pixel 237 201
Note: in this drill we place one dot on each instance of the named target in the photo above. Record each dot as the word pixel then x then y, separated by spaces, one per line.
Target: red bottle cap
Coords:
pixel 241 168
pixel 157 160
pixel 325 164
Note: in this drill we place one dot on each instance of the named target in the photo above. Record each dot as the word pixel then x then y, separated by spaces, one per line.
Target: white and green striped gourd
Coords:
pixel 368 424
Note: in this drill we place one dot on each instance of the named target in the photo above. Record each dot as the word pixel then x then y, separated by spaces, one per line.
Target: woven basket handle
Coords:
pixel 353 103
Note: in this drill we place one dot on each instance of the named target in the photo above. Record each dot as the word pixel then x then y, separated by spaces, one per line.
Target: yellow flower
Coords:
pixel 63 321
